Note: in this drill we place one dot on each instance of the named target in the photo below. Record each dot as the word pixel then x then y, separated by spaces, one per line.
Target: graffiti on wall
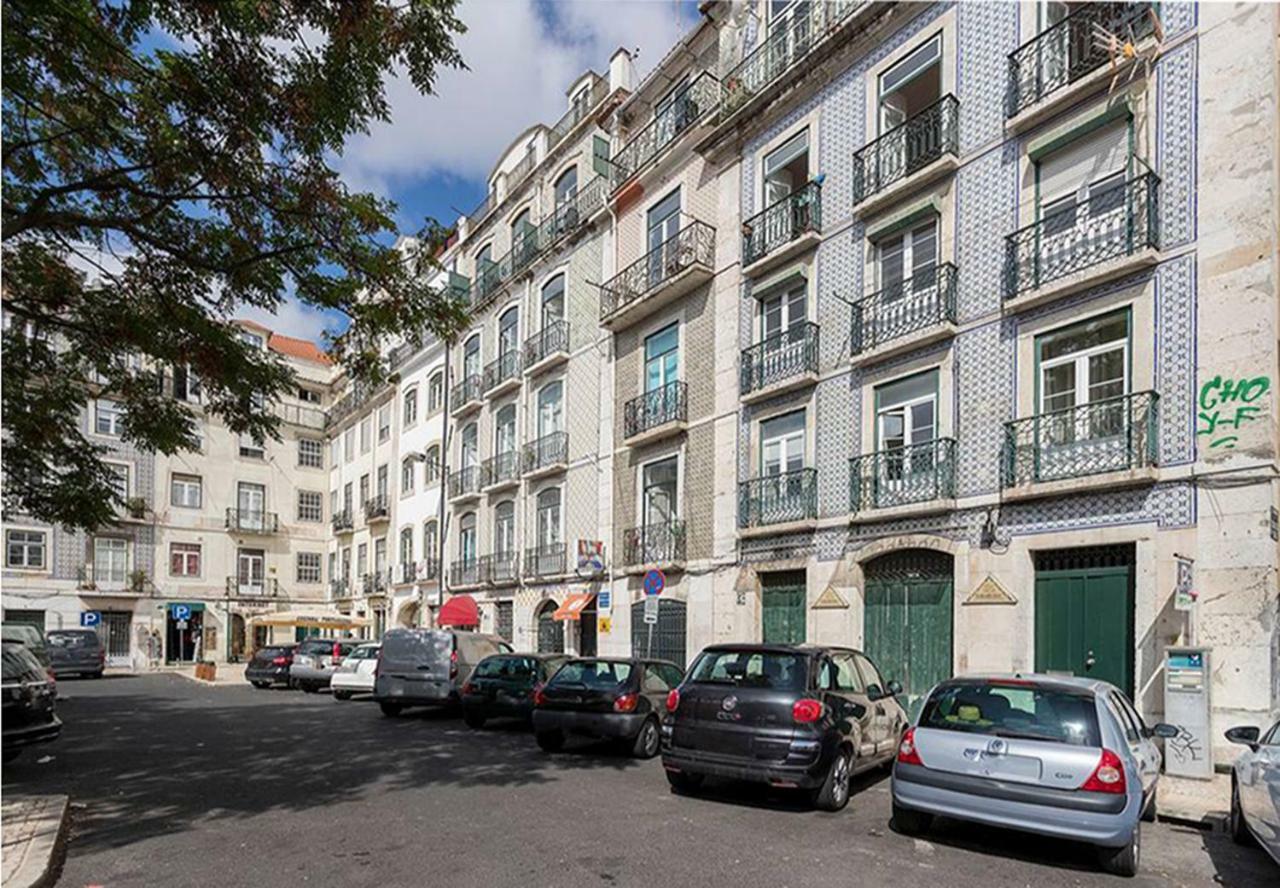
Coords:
pixel 1227 404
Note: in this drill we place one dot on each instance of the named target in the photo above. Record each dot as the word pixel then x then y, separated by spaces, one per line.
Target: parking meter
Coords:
pixel 1186 706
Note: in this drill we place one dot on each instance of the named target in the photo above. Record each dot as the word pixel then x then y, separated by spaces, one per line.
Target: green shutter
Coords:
pixel 600 156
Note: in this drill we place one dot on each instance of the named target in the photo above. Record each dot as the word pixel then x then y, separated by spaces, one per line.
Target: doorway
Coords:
pixel 550 630
pixel 116 633
pixel 908 625
pixel 782 607
pixel 180 635
pixel 1084 612
pixel 587 629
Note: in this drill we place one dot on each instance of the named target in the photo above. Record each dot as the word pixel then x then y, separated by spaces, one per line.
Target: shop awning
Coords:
pixel 310 619
pixel 573 606
pixel 460 610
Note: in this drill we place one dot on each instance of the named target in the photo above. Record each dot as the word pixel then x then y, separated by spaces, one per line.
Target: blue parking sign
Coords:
pixel 181 611
pixel 90 619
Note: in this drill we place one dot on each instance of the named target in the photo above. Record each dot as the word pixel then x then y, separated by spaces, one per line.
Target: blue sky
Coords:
pixel 435 155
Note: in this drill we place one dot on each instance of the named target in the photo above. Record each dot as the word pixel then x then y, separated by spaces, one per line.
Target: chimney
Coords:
pixel 622 71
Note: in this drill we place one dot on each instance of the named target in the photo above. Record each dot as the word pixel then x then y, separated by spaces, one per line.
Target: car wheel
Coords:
pixel 390 710
pixel 550 741
pixel 834 792
pixel 342 695
pixel 645 746
pixel 909 822
pixel 261 685
pixel 1149 812
pixel 682 782
pixel 1239 829
pixel 310 687
pixel 97 674
pixel 474 720
pixel 1123 861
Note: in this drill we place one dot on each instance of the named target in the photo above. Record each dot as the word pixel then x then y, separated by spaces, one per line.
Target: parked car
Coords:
pixel 30 636
pixel 1058 756
pixel 76 652
pixel 29 705
pixel 427 667
pixel 355 674
pixel 315 659
pixel 1255 788
pixel 502 686
pixel 621 699
pixel 270 665
pixel 792 716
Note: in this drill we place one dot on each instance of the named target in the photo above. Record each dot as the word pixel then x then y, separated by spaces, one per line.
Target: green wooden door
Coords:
pixel 1084 616
pixel 908 618
pixel 782 600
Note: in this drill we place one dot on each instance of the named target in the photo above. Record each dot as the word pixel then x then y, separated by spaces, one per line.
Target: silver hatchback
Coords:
pixel 1059 756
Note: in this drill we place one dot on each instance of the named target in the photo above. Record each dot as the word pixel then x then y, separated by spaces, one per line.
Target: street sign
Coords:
pixel 90 619
pixel 604 600
pixel 181 612
pixel 654 583
pixel 605 625
pixel 651 610
pixel 181 624
pixel 1184 593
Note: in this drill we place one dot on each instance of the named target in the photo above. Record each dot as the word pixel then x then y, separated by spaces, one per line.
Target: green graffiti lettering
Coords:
pixel 1218 392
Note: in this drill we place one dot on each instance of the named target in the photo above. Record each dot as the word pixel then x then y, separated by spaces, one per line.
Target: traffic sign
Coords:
pixel 604 600
pixel 605 625
pixel 181 612
pixel 181 624
pixel 654 582
pixel 651 610
pixel 91 619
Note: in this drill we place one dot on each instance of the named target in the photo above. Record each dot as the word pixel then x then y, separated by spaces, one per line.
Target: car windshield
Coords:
pixel 367 652
pixel 73 639
pixel 751 669
pixel 504 667
pixel 20 665
pixel 600 675
pixel 1027 712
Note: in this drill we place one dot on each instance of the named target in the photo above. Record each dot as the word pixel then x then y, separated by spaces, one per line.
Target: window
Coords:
pixel 406 476
pixel 553 301
pixel 912 85
pixel 566 186
pixel 659 486
pixel 366 434
pixel 783 311
pixel 870 674
pixel 108 418
pixel 380 554
pixel 410 411
pixel 364 489
pixel 430 540
pixel 467 538
pixel 905 262
pixel 905 411
pixel 308 567
pixel 24 549
pixel 251 448
pixel 349 445
pixel 380 487
pixel 310 453
pixel 550 415
pixel 435 392
pixel 253 340
pixel 120 483
pixel 333 502
pixel 335 451
pixel 846 674
pixel 786 168
pixel 663 223
pixel 308 396
pixel 662 358
pixel 184 559
pixel 251 571
pixel 471 357
pixel 346 563
pixel 504 430
pixel 384 423
pixel 406 548
pixel 110 560
pixel 504 528
pixel 346 498
pixel 470 446
pixel 521 242
pixel 782 444
pixel 433 467
pixel 1083 364
pixel 362 559
pixel 310 505
pixel 549 518
pixel 1081 187
pixel 509 332
pixel 186 385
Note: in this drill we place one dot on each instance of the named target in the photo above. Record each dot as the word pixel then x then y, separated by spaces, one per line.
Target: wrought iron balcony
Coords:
pixel 571 215
pixel 341 521
pixel 252 521
pixel 1062 54
pixel 478 215
pixel 1120 221
pixel 551 340
pixel 1111 435
pixel 376 508
pixel 579 111
pixel 668 404
pixel 503 369
pixel 415 571
pixel 545 561
pixel 465 572
pixel 465 392
pixel 245 587
pixel 782 222
pixel 500 568
pixel 692 246
pixel 374 583
pixel 778 499
pixel 464 482
pixel 690 105
pixel 917 303
pixel 338 589
pixel 546 453
pixel 901 476
pixel 654 543
pixel 907 148
pixel 784 49
pixel 500 470
pixel 783 356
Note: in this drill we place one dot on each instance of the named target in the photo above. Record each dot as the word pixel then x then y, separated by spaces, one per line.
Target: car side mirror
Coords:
pixel 875 693
pixel 1246 735
pixel 1164 731
pixel 895 687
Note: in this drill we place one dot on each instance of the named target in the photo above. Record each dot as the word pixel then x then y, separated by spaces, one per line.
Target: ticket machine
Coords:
pixel 1187 678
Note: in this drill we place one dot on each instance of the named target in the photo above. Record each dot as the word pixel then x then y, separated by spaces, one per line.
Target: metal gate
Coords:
pixel 668 632
pixel 550 631
pixel 909 617
pixel 115 632
pixel 782 607
pixel 502 619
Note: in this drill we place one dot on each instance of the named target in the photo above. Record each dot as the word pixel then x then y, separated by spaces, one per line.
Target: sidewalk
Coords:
pixel 1204 802
pixel 34 827
pixel 228 674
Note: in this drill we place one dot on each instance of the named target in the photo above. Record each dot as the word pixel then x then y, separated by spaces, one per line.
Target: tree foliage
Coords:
pixel 166 164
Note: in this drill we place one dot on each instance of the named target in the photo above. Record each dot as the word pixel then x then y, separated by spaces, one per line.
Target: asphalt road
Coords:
pixel 178 784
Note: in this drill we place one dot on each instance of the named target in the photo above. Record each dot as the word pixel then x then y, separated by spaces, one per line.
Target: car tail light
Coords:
pixel 453 664
pixel 626 703
pixel 805 711
pixel 673 700
pixel 1108 776
pixel 468 688
pixel 337 654
pixel 280 661
pixel 539 698
pixel 907 752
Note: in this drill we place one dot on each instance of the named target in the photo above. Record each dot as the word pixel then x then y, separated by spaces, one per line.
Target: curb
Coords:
pixel 42 870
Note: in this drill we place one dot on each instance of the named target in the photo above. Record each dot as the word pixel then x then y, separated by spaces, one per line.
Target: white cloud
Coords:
pixel 293 318
pixel 521 58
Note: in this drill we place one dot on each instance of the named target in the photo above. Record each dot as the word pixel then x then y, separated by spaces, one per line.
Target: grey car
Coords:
pixel 76 652
pixel 1255 788
pixel 427 667
pixel 1058 756
pixel 315 659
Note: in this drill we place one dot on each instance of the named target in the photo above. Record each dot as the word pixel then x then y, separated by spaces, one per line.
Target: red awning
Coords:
pixel 460 610
pixel 573 606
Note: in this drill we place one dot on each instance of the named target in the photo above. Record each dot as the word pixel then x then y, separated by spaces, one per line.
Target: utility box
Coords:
pixel 1186 706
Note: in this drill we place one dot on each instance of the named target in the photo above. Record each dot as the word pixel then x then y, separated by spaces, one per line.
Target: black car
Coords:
pixel 617 699
pixel 270 665
pixel 30 711
pixel 76 652
pixel 502 686
pixel 785 715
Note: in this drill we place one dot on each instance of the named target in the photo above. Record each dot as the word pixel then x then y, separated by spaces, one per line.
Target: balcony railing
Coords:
pixel 783 49
pixel 670 403
pixel 500 568
pixel 376 508
pixel 907 148
pixel 375 583
pixel 686 108
pixel 500 469
pixel 695 244
pixel 654 543
pixel 783 356
pixel 1111 435
pixel 477 216
pixel 341 521
pixel 545 561
pixel 785 220
pixel 415 571
pixel 465 391
pixel 778 499
pixel 578 111
pixel 465 572
pixel 249 587
pixel 1067 51
pixel 502 369
pixel 464 482
pixel 919 302
pixel 252 521
pixel 1110 224
pixel 338 589
pixel 546 452
pixel 552 339
pixel 114 579
pixel 901 476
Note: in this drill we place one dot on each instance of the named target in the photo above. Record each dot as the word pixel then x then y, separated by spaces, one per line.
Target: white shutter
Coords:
pixel 1085 160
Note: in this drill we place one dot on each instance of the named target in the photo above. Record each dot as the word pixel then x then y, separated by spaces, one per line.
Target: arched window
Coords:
pixel 504 528
pixel 549 518
pixel 504 430
pixel 550 632
pixel 550 412
pixel 566 186
pixel 433 466
pixel 509 331
pixel 553 301
pixel 470 447
pixel 435 392
pixel 410 406
pixel 406 552
pixel 467 538
pixel 406 476
pixel 430 548
pixel 471 357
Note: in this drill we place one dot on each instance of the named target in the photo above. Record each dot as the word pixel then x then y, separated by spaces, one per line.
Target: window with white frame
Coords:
pixel 185 491
pixel 409 407
pixel 406 551
pixel 120 479
pixel 550 409
pixel 911 85
pixel 384 423
pixel 471 357
pixel 110 561
pixel 906 427
pixel 366 434
pixel 251 448
pixel 309 568
pixel 786 168
pixel 659 486
pixel 435 392
pixel 25 549
pixel 548 507
pixel 470 446
pixel 1081 189
pixel 906 261
pixel 432 468
pixel 380 554
pixel 406 476
pixel 186 385
pixel 309 396
pixel 310 505
pixel 364 489
pixel 782 444
pixel 662 358
pixel 347 504
pixel 782 312
pixel 1086 363
pixel 108 418
pixel 553 301
pixel 380 485
pixel 467 538
pixel 349 445
pixel 310 453
pixel 184 560
pixel 504 528
pixel 504 430
pixel 362 559
pixel 430 540
pixel 509 332
pixel 335 451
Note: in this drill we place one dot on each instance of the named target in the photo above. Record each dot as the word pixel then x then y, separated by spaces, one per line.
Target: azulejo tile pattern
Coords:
pixel 986 211
pixel 1176 144
pixel 984 368
pixel 1176 359
pixel 988 32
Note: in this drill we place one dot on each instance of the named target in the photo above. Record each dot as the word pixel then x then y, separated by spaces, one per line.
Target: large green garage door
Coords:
pixel 1084 613
pixel 908 617
pixel 782 599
